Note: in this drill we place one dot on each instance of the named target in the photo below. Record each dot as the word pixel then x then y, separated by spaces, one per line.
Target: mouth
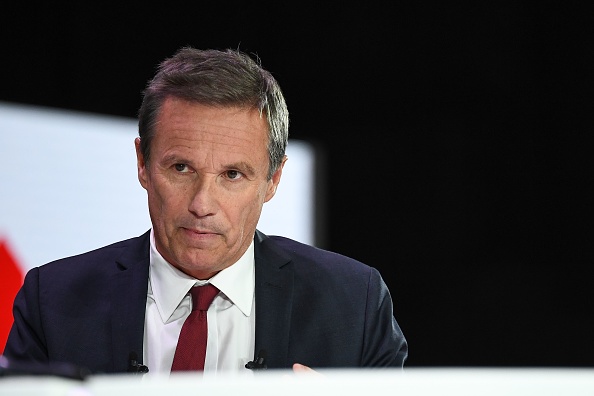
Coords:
pixel 199 233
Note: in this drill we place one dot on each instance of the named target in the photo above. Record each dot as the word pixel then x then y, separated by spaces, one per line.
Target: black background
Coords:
pixel 457 140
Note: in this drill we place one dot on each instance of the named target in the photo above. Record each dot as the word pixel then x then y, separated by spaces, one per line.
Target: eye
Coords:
pixel 233 174
pixel 183 168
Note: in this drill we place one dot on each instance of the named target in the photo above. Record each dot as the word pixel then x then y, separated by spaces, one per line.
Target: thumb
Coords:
pixel 301 368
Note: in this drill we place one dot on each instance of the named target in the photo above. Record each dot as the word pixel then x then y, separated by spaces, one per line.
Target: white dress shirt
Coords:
pixel 231 316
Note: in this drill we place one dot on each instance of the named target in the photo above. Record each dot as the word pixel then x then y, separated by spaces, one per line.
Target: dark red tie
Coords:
pixel 191 345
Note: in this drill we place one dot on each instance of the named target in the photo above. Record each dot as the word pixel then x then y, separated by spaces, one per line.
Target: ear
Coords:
pixel 273 183
pixel 140 164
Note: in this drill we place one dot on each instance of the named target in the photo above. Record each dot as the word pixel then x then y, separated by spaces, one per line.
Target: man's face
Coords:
pixel 206 183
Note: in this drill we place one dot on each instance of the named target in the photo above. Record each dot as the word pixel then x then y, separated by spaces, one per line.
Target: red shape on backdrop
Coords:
pixel 10 282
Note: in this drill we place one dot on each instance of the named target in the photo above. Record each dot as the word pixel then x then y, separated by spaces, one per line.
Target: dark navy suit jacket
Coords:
pixel 313 307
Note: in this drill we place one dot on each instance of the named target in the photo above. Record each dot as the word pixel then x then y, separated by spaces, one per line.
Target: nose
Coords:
pixel 203 197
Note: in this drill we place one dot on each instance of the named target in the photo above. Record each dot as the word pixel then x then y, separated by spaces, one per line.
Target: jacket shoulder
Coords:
pixel 311 258
pixel 126 251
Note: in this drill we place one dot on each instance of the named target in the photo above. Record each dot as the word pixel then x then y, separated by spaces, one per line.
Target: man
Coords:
pixel 213 129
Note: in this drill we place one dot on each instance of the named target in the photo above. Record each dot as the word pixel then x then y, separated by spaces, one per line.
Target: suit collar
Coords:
pixel 128 302
pixel 274 291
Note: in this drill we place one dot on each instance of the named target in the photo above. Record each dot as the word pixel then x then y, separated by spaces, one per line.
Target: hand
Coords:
pixel 300 368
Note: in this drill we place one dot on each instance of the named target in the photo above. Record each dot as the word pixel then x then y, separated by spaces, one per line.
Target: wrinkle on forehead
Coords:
pixel 230 122
pixel 227 142
pixel 228 138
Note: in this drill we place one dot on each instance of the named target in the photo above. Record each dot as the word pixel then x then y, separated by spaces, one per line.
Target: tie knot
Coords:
pixel 202 296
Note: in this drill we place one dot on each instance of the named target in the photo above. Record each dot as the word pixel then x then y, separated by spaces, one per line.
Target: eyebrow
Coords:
pixel 243 166
pixel 172 158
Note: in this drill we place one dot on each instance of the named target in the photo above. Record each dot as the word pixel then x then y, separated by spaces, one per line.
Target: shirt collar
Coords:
pixel 170 285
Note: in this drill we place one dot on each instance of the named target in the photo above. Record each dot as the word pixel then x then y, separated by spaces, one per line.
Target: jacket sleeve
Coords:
pixel 384 341
pixel 26 340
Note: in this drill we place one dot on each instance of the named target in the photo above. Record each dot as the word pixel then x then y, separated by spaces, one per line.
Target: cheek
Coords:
pixel 246 208
pixel 255 207
pixel 162 197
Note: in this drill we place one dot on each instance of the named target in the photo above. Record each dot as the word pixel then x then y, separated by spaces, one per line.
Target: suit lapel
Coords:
pixel 128 303
pixel 274 290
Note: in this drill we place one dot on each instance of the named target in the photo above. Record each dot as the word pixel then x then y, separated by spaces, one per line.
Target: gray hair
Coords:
pixel 217 78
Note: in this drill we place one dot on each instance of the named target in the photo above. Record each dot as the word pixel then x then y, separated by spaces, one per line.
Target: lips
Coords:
pixel 199 232
pixel 200 235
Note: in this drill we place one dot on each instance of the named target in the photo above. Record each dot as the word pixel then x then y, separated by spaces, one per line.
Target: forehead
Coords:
pixel 179 113
pixel 193 125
